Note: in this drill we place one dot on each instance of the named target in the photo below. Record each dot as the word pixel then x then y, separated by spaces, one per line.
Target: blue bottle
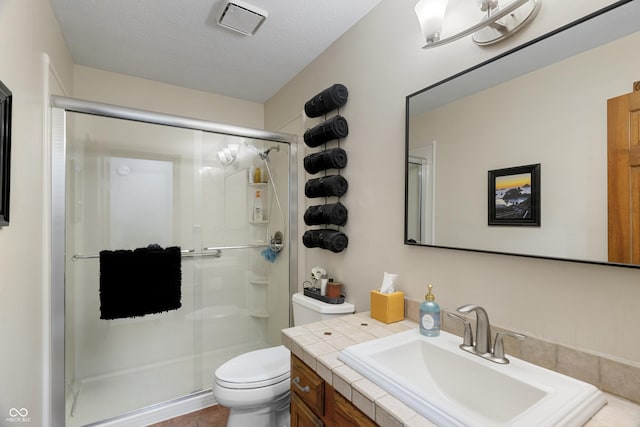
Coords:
pixel 429 316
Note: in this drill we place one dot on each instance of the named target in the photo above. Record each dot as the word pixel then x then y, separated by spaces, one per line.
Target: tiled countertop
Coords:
pixel 318 344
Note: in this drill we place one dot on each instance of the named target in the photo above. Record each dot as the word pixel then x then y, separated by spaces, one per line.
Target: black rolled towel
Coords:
pixel 333 240
pixel 334 158
pixel 336 241
pixel 139 282
pixel 334 213
pixel 326 186
pixel 334 128
pixel 329 99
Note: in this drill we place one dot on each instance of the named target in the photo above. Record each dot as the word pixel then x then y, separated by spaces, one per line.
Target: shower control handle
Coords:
pixel 296 382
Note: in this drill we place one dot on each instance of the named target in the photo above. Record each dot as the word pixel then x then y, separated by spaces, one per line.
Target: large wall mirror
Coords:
pixel 544 103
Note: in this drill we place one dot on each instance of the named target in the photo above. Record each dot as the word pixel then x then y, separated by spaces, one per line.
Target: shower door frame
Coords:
pixel 59 107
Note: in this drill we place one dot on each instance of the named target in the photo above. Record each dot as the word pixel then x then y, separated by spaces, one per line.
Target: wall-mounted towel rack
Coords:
pixel 214 251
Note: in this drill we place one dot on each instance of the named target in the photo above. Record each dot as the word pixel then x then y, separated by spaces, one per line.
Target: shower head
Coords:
pixel 264 155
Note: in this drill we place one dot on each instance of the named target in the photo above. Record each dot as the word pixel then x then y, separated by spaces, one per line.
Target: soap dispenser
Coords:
pixel 429 315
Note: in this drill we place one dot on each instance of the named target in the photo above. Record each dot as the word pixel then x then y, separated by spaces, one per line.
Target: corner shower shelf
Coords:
pixel 259 282
pixel 258 222
pixel 215 312
pixel 259 314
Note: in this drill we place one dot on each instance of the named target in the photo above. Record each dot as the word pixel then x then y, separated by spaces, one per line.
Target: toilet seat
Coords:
pixel 256 369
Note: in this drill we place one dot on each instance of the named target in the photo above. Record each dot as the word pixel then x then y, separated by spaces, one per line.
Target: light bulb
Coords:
pixel 431 16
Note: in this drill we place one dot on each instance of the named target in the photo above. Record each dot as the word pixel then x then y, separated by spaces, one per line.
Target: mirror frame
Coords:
pixel 514 71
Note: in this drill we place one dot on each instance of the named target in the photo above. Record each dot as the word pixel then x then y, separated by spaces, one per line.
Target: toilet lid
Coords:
pixel 255 369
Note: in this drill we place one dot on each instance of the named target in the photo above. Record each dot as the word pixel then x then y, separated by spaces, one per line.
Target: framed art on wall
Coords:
pixel 5 152
pixel 514 196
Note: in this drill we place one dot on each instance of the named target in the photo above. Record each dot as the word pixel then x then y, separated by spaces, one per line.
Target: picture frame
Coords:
pixel 5 152
pixel 514 196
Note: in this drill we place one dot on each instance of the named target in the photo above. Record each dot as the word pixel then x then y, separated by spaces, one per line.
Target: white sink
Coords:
pixel 451 387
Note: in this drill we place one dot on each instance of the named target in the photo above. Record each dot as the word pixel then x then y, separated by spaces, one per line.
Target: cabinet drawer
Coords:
pixel 307 385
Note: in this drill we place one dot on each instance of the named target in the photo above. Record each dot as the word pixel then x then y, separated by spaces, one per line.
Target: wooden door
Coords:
pixel 623 162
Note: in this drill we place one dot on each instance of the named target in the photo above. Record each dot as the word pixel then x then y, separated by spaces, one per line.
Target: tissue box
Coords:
pixel 387 308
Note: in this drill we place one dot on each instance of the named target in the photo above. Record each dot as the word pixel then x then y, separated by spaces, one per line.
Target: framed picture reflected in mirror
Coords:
pixel 514 196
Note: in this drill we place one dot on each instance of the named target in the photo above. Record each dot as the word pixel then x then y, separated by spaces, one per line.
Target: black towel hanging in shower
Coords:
pixel 139 282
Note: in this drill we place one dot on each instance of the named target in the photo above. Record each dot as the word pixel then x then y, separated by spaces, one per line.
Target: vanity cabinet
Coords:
pixel 314 403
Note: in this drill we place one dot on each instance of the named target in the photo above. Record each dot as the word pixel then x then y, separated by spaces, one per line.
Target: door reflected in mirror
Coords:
pixel 420 186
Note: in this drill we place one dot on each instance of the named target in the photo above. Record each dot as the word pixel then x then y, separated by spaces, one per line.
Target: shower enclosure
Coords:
pixel 125 179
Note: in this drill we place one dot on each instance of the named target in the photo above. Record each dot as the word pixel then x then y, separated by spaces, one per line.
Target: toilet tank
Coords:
pixel 308 310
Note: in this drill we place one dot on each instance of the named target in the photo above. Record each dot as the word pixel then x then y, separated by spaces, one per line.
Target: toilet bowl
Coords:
pixel 255 386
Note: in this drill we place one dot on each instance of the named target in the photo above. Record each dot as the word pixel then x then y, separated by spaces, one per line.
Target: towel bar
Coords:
pixel 215 252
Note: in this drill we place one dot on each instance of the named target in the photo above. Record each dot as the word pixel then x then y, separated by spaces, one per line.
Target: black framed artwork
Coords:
pixel 5 152
pixel 514 196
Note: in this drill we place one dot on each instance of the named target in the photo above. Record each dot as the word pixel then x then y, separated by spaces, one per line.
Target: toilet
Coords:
pixel 255 386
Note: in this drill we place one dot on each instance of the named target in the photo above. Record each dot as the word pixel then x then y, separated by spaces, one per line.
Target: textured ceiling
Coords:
pixel 179 41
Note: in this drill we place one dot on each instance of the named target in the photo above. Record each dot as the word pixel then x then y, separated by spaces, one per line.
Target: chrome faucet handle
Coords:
pixel 483 328
pixel 467 340
pixel 498 352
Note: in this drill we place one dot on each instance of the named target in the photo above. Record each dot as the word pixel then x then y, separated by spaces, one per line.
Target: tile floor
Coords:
pixel 214 416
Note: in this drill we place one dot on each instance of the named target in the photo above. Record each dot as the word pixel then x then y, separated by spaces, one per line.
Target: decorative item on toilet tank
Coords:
pixel 327 135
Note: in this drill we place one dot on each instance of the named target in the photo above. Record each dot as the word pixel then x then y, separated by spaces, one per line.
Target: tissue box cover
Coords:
pixel 387 308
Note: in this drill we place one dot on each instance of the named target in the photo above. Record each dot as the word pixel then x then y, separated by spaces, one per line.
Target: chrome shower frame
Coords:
pixel 59 107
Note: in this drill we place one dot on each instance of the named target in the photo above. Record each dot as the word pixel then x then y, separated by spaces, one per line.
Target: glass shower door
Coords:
pixel 130 185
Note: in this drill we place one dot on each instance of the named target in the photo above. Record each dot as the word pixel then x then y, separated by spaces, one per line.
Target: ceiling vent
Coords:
pixel 241 17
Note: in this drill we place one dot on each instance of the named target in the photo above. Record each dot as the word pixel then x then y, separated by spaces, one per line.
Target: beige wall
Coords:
pixel 28 30
pixel 380 61
pixel 112 88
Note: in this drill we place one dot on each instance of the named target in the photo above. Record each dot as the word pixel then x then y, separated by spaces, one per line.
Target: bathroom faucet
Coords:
pixel 482 346
pixel 483 328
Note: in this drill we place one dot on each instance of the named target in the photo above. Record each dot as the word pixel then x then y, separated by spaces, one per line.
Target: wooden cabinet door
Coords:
pixel 347 415
pixel 301 415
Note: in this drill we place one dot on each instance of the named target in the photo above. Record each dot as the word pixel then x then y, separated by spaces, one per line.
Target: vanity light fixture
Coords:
pixel 498 21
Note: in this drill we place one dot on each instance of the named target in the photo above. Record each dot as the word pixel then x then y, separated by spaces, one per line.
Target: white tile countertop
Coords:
pixel 318 345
